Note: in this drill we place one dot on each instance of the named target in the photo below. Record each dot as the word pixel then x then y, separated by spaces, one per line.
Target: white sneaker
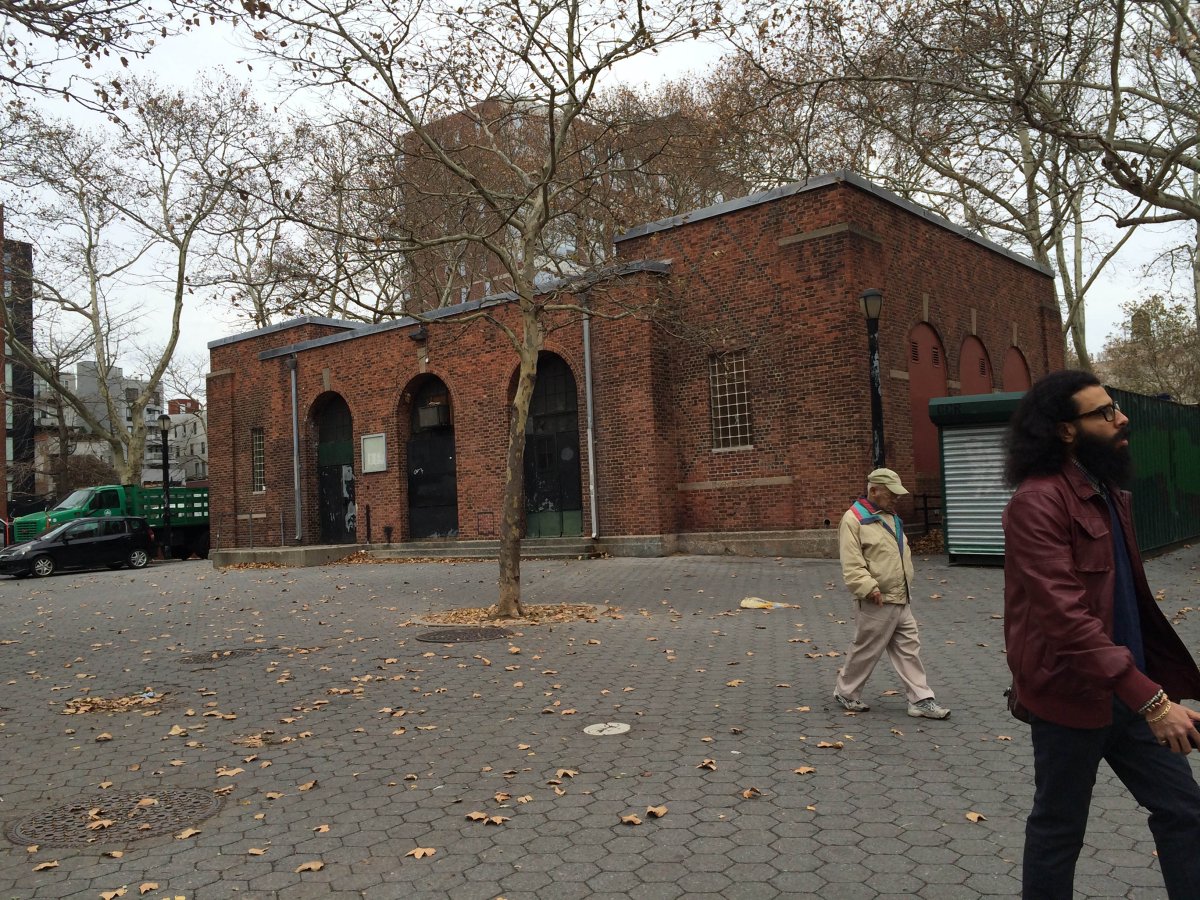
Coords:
pixel 928 709
pixel 850 705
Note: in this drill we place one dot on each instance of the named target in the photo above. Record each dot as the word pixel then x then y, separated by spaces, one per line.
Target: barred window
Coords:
pixel 730 400
pixel 258 459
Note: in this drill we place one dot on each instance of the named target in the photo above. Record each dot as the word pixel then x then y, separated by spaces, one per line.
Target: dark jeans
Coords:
pixel 1065 763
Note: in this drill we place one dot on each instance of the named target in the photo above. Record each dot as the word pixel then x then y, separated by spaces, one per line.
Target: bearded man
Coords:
pixel 1097 669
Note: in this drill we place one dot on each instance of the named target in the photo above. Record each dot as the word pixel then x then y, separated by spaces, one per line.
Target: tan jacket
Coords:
pixel 871 559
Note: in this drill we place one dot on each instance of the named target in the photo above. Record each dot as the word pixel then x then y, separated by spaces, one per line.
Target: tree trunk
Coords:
pixel 509 603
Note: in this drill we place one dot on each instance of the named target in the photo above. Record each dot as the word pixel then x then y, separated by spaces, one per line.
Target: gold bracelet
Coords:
pixel 1161 715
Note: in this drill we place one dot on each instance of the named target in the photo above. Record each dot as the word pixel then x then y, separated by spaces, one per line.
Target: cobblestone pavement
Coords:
pixel 339 742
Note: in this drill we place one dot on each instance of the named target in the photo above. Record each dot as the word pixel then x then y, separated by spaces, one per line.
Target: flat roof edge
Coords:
pixel 282 326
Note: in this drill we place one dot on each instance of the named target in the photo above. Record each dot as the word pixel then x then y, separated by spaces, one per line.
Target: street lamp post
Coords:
pixel 871 301
pixel 164 424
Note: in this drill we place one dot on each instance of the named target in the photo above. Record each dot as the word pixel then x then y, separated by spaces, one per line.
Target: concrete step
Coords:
pixel 533 548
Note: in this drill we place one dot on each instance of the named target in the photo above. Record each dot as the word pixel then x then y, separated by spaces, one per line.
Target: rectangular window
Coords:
pixel 258 459
pixel 729 400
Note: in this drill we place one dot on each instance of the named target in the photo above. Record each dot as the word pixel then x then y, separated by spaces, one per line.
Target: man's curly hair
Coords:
pixel 1033 445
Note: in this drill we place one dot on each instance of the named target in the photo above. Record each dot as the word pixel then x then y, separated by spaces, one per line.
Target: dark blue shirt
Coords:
pixel 1127 626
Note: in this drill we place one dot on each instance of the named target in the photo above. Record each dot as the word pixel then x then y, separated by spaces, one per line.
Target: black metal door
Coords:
pixel 336 508
pixel 432 472
pixel 553 487
pixel 432 485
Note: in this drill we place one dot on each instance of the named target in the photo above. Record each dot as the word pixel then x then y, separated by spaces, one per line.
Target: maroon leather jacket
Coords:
pixel 1058 607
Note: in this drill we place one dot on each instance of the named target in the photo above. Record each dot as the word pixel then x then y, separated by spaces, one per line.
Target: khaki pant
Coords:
pixel 889 627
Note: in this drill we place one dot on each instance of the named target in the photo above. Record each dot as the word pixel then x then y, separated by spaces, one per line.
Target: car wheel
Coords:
pixel 138 558
pixel 42 566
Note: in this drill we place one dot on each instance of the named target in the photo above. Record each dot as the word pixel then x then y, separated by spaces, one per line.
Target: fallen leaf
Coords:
pixel 314 866
pixel 147 886
pixel 656 811
pixel 750 793
pixel 976 817
pixel 187 833
pixel 115 854
pixel 49 864
pixel 322 829
pixel 897 732
pixel 566 773
pixel 225 772
pixel 308 785
pixel 112 895
pixel 804 770
pixel 630 819
pixel 421 852
pixel 831 745
pixel 257 851
pixel 104 736
pixel 708 764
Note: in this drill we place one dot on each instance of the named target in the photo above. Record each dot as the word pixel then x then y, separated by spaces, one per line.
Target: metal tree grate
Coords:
pixel 115 818
pixel 463 635
pixel 216 656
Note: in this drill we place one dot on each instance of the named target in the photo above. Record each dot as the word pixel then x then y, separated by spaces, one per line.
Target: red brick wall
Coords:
pixel 736 282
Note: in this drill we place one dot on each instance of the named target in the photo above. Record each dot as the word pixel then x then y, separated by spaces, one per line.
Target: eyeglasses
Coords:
pixel 1108 411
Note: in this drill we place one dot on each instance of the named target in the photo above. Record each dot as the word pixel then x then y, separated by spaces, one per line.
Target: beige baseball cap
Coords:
pixel 888 479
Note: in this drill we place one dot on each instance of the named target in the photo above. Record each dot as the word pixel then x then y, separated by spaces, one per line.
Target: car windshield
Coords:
pixel 76 499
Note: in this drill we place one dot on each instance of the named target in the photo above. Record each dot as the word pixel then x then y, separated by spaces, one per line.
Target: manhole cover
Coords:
pixel 463 635
pixel 216 656
pixel 115 818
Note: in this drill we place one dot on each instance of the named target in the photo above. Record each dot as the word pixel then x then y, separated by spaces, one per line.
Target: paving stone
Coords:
pixel 881 818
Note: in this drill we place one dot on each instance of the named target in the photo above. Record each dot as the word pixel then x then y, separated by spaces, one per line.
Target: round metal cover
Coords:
pixel 217 656
pixel 115 818
pixel 463 635
pixel 606 728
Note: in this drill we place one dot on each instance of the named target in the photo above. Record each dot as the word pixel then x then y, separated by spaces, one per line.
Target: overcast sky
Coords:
pixel 180 59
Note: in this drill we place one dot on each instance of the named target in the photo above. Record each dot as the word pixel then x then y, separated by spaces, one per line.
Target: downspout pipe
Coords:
pixel 292 365
pixel 591 422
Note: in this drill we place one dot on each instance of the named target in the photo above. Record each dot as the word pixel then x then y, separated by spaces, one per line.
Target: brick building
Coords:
pixel 741 406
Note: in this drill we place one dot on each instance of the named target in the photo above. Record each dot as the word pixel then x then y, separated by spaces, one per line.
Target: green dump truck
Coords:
pixel 189 514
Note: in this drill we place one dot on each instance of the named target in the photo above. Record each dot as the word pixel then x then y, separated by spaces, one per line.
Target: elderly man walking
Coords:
pixel 877 567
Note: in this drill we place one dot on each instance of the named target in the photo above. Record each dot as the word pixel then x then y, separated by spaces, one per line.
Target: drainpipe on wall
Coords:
pixel 591 422
pixel 292 362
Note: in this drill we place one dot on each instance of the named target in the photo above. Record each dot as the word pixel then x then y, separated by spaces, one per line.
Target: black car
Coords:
pixel 112 541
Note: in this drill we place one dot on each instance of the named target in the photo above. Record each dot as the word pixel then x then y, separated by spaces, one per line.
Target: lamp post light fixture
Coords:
pixel 871 301
pixel 164 424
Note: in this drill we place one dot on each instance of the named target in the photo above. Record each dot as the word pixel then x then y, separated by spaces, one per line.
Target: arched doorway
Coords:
pixel 553 489
pixel 432 472
pixel 926 380
pixel 336 509
pixel 974 367
pixel 1016 371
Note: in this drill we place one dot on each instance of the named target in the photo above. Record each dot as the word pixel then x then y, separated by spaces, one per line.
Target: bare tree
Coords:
pixel 122 214
pixel 58 47
pixel 453 85
pixel 945 94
